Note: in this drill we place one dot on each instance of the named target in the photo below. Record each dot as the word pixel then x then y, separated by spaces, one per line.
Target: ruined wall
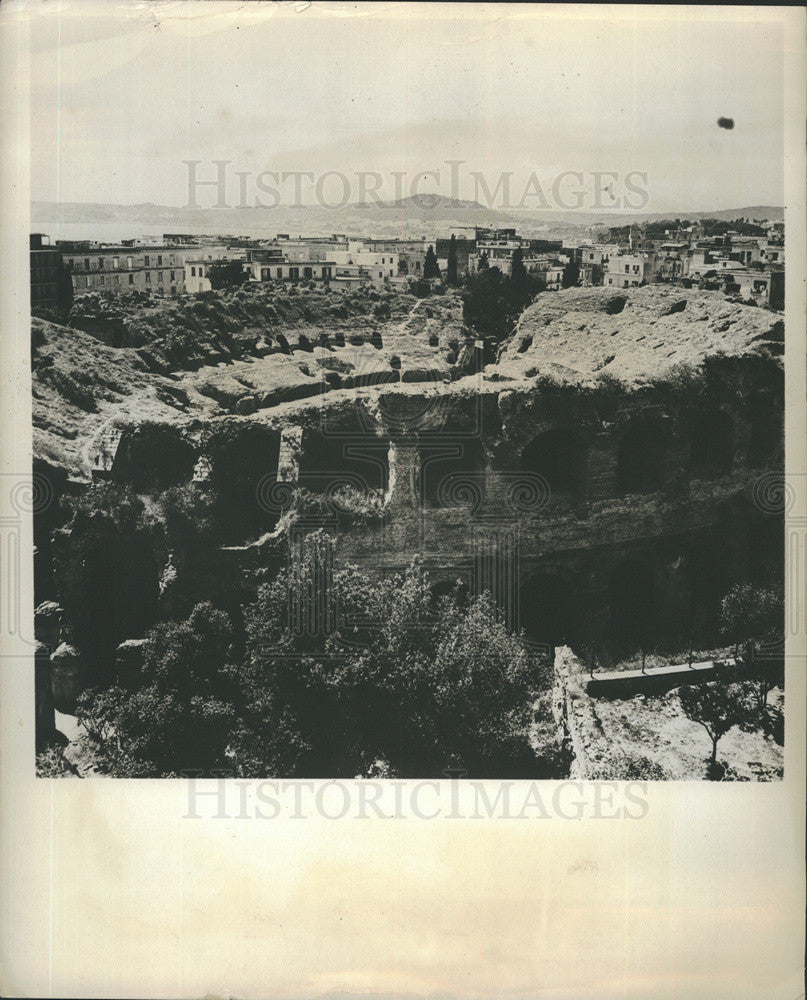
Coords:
pixel 563 527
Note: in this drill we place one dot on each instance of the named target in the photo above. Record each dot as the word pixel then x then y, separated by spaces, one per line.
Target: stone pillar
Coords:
pixel 288 465
pixel 404 474
pixel 601 467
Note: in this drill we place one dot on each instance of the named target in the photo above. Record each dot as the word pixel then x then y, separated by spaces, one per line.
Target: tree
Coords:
pixel 596 274
pixel 386 675
pixel 180 718
pixel 492 301
pixel 751 615
pixel 485 302
pixel 571 275
pixel 431 268
pixel 226 274
pixel 519 292
pixel 718 706
pixel 483 262
pixel 451 266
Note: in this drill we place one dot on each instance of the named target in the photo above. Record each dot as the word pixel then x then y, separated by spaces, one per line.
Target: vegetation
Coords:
pixel 226 274
pixel 50 763
pixel 718 706
pixel 492 301
pixel 452 277
pixel 751 616
pixel 571 275
pixel 179 720
pixel 342 675
pixel 431 269
pixel 710 227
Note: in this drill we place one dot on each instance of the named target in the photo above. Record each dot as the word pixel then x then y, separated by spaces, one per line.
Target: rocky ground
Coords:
pixel 258 348
pixel 636 335
pixel 657 728
pixel 277 354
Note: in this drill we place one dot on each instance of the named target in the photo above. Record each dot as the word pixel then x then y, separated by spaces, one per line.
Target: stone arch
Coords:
pixel 548 607
pixel 452 468
pixel 641 457
pixel 632 602
pixel 559 456
pixel 242 458
pixel 343 456
pixel 712 444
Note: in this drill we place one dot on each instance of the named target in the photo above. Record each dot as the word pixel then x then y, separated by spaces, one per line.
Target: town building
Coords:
pixel 46 270
pixel 411 253
pixel 156 270
pixel 626 270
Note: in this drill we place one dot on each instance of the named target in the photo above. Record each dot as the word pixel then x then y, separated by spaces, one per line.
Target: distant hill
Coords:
pixel 413 216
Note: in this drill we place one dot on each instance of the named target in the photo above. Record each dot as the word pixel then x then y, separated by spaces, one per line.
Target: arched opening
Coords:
pixel 358 461
pixel 712 448
pixel 632 597
pixel 242 457
pixel 452 470
pixel 559 456
pixel 641 458
pixel 547 609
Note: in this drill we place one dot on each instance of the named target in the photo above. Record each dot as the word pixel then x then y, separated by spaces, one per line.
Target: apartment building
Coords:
pixel 156 270
pixel 46 269
pixel 626 270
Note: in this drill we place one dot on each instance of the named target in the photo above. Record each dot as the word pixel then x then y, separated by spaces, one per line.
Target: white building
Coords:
pixel 291 270
pixel 360 263
pixel 196 279
pixel 626 270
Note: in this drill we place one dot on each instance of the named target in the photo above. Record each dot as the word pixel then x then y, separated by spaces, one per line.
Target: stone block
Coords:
pixel 48 623
pixel 68 677
pixel 129 659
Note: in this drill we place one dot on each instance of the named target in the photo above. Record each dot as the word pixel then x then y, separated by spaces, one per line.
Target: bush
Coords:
pixel 180 720
pixel 630 766
pixel 226 274
pixel 378 673
pixel 51 764
pixel 492 301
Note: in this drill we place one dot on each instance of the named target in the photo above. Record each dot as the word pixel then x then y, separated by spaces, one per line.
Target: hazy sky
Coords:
pixel 121 94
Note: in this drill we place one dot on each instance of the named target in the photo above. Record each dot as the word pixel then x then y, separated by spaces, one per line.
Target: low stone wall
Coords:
pixel 588 744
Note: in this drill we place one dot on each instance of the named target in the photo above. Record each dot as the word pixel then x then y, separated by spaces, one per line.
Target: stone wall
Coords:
pixel 465 489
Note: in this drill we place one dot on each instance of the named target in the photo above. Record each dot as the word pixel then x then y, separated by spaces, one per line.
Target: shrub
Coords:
pixel 180 720
pixel 379 673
